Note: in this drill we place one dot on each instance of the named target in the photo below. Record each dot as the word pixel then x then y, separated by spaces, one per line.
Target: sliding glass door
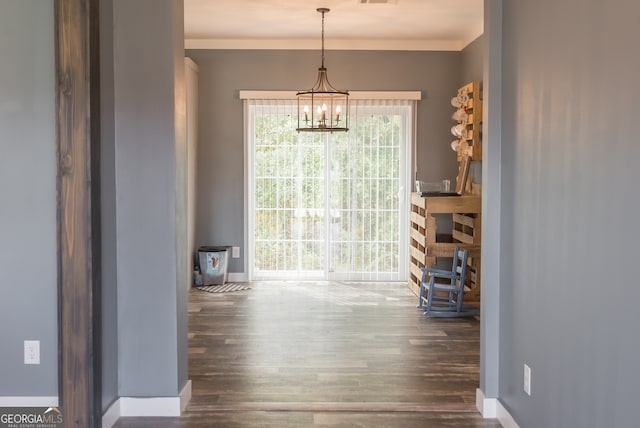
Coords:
pixel 328 206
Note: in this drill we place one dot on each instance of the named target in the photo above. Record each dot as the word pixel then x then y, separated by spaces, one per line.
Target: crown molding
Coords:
pixel 313 44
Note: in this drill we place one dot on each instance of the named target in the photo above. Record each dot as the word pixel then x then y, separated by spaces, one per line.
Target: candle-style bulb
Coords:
pixel 322 113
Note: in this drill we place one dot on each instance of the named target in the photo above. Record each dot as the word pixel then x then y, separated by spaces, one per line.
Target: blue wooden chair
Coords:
pixel 428 272
pixel 445 299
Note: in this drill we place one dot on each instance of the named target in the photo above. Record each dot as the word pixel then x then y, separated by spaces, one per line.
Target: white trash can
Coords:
pixel 213 263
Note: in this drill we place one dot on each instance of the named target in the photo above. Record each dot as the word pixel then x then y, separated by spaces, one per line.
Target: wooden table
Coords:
pixel 426 242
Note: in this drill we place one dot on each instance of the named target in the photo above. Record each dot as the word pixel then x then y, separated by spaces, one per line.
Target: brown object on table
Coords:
pixel 463 173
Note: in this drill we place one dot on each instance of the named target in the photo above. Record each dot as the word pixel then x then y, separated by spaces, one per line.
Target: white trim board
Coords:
pixel 333 44
pixel 191 64
pixel 238 277
pixel 147 406
pixel 29 401
pixel 111 416
pixel 491 408
pixel 486 406
pixel 353 95
pixel 150 406
pixel 505 418
pixel 185 396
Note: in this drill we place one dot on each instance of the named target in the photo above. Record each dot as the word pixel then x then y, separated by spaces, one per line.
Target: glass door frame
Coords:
pixel 407 171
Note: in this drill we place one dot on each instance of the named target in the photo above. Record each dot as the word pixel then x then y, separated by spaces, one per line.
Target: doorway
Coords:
pixel 329 206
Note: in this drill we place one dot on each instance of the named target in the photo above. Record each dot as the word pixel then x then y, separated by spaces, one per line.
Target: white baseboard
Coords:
pixel 112 415
pixel 486 406
pixel 505 418
pixel 147 406
pixel 150 406
pixel 237 277
pixel 29 401
pixel 491 408
pixel 185 396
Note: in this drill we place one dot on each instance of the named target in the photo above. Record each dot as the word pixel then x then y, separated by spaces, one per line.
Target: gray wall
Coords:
pixel 220 148
pixel 491 201
pixel 471 68
pixel 149 126
pixel 191 83
pixel 144 308
pixel 109 285
pixel 472 59
pixel 28 268
pixel 183 261
pixel 569 298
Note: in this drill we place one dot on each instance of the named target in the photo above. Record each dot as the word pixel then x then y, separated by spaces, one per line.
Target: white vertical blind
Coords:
pixel 370 166
pixel 324 205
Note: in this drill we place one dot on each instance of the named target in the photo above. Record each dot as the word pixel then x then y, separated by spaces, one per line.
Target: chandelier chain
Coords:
pixel 323 39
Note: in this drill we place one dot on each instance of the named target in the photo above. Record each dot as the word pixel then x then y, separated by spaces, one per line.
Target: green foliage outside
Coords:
pixel 290 182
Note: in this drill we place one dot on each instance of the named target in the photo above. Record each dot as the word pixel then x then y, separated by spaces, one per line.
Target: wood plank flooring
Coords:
pixel 326 354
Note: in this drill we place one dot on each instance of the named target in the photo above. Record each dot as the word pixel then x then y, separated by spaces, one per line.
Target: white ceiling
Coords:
pixel 295 24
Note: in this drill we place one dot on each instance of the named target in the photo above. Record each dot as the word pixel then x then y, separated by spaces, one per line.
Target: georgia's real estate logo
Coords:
pixel 30 417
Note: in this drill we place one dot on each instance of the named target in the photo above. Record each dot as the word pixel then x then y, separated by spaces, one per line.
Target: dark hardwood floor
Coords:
pixel 326 354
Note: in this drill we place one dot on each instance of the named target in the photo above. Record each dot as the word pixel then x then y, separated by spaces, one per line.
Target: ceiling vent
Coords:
pixel 378 1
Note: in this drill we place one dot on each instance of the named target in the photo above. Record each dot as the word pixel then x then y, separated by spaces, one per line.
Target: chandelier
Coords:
pixel 323 108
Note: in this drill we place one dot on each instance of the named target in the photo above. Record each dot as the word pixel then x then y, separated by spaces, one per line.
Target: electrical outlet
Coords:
pixel 235 252
pixel 527 379
pixel 32 352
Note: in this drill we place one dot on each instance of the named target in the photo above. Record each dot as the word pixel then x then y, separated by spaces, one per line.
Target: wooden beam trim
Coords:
pixel 74 146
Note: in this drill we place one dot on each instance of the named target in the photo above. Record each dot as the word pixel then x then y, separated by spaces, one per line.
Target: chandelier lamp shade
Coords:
pixel 323 108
